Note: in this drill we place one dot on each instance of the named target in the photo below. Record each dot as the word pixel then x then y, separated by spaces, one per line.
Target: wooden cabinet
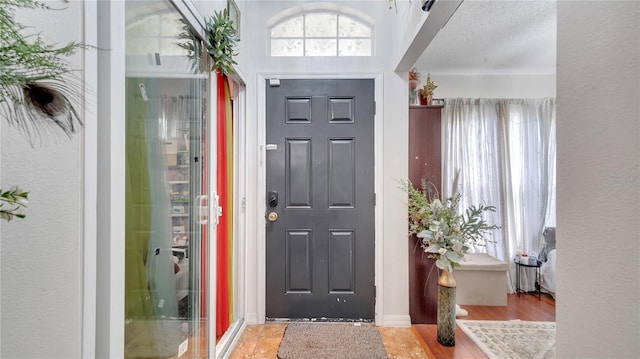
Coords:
pixel 424 163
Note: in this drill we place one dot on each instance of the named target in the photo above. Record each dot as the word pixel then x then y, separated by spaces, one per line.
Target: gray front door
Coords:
pixel 320 184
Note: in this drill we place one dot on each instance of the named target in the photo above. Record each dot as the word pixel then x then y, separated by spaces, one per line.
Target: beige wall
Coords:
pixel 598 277
pixel 41 256
pixel 494 86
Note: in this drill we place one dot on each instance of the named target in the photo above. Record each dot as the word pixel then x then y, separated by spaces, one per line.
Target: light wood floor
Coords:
pixel 419 341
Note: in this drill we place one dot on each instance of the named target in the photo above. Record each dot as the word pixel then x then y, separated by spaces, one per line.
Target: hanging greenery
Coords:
pixel 37 87
pixel 190 41
pixel 220 42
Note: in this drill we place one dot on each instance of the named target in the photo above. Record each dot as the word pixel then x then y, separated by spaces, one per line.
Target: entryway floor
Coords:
pixel 262 342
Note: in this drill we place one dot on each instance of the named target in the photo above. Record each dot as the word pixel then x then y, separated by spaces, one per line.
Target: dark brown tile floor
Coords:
pixel 262 341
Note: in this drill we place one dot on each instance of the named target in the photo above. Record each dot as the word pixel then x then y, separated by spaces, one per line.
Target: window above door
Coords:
pixel 321 33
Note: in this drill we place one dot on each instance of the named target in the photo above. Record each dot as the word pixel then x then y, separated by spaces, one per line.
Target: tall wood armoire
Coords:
pixel 424 163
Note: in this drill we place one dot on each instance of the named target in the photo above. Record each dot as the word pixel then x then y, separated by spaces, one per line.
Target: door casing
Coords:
pixel 261 185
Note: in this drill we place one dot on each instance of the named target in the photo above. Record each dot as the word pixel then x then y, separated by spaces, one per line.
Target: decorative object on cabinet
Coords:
pixel 426 93
pixel 414 81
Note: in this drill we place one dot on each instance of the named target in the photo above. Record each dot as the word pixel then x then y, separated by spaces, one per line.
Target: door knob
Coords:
pixel 272 216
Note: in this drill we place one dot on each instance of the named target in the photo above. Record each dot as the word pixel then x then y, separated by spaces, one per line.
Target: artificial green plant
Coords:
pixel 220 42
pixel 11 202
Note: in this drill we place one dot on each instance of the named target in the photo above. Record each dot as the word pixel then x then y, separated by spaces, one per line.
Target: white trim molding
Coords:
pixel 110 181
pixel 402 321
pixel 90 186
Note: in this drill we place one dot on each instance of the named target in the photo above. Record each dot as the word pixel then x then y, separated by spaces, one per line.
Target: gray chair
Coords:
pixel 548 243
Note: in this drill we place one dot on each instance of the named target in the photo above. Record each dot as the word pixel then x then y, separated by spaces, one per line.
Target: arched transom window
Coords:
pixel 321 34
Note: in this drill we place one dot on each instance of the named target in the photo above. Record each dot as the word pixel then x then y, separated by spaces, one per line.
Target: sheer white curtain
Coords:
pixel 505 150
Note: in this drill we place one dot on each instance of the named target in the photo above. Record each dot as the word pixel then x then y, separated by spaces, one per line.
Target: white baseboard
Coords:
pixel 402 321
pixel 252 319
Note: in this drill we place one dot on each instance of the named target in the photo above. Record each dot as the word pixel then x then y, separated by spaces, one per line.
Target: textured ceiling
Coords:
pixel 495 37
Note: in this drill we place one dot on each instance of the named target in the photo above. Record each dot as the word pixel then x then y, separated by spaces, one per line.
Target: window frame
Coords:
pixel 304 38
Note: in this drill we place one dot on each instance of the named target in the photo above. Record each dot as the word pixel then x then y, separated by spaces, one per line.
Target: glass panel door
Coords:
pixel 166 261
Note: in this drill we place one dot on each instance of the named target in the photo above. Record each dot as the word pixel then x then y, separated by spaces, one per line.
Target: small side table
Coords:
pixel 537 284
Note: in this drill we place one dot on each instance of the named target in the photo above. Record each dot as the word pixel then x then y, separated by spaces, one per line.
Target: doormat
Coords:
pixel 516 339
pixel 331 340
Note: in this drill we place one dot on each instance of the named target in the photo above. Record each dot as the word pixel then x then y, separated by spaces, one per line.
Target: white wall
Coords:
pixel 598 276
pixel 395 165
pixel 492 86
pixel 41 256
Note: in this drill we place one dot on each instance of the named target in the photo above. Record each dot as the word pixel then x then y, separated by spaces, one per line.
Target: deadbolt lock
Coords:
pixel 273 216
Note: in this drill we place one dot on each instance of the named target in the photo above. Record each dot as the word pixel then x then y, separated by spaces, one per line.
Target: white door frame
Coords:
pixel 262 183
pixel 104 171
pixel 228 341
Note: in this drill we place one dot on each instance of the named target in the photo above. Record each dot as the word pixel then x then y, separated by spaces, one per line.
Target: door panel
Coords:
pixel 320 163
pixel 165 233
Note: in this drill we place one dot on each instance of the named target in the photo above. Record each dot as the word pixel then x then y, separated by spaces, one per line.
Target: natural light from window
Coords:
pixel 154 33
pixel 321 34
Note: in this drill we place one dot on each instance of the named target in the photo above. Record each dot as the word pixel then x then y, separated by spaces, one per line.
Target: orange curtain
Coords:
pixel 224 176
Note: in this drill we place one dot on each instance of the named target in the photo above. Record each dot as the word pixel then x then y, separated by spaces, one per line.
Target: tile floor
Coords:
pixel 262 342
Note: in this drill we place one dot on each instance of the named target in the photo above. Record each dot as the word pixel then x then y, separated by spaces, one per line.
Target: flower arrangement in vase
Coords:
pixel 443 233
pixel 446 236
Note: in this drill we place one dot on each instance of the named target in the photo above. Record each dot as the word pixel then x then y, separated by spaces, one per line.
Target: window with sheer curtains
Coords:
pixel 505 150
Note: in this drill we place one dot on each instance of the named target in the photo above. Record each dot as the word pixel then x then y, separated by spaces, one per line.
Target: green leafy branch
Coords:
pixel 16 200
pixel 27 59
pixel 220 42
pixel 190 41
pixel 474 227
pixel 38 90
